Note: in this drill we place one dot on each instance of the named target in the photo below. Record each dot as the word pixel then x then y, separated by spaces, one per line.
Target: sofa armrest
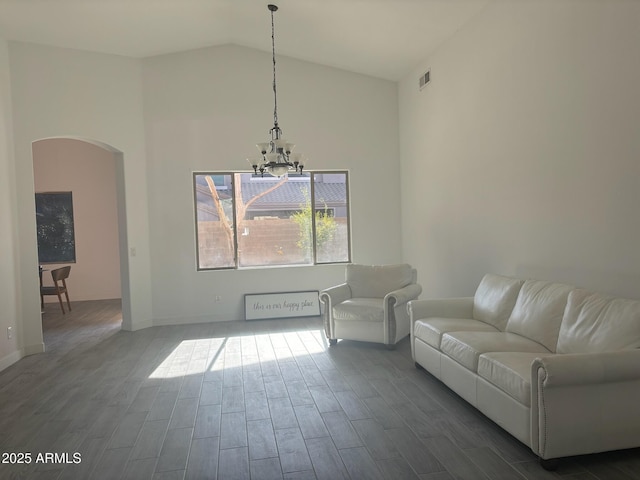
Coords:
pixel 586 368
pixel 403 295
pixel 585 403
pixel 329 297
pixel 458 307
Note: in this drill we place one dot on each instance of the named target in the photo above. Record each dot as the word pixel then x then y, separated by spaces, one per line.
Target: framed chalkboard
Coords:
pixel 56 233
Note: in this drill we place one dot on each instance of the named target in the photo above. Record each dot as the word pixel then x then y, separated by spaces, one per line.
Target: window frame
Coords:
pixel 233 214
pixel 314 254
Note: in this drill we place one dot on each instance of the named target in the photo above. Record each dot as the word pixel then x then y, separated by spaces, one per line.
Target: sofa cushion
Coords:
pixel 375 281
pixel 538 311
pixel 360 309
pixel 494 299
pixel 466 347
pixel 510 372
pixel 597 323
pixel 431 330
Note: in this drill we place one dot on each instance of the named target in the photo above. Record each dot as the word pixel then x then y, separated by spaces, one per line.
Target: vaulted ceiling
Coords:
pixel 382 38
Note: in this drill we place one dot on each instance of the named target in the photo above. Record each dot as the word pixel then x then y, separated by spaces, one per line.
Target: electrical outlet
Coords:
pixel 218 298
pixel 9 333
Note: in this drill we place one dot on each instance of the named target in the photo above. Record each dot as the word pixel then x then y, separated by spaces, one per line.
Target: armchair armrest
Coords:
pixel 458 307
pixel 585 403
pixel 396 319
pixel 329 297
pixel 404 294
pixel 335 295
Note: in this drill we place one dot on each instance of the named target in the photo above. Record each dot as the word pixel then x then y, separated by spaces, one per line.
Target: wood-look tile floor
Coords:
pixel 260 400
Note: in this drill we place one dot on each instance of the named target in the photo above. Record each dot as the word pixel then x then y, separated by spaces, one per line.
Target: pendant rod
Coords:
pixel 274 8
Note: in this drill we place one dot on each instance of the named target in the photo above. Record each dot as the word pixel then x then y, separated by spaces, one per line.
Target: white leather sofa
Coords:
pixel 557 367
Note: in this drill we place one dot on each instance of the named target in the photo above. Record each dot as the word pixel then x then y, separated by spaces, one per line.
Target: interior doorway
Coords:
pixel 93 173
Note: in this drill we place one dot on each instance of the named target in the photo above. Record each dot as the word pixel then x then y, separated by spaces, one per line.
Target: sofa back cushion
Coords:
pixel 538 311
pixel 375 281
pixel 494 299
pixel 597 323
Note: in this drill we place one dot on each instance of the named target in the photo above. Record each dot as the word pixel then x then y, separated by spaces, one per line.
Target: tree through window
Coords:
pixel 244 220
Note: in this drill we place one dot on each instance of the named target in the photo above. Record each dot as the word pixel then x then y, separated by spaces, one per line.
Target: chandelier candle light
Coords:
pixel 277 158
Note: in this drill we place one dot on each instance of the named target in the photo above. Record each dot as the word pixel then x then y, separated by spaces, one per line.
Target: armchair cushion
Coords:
pixel 360 309
pixel 376 281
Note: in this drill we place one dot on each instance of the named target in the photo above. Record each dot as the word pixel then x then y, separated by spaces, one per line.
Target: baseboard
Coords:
pixel 128 326
pixel 33 349
pixel 10 359
pixel 213 318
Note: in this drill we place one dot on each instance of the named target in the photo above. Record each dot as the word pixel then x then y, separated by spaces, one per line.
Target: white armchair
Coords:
pixel 371 305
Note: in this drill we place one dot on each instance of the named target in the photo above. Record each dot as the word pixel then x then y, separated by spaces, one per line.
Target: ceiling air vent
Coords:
pixel 424 79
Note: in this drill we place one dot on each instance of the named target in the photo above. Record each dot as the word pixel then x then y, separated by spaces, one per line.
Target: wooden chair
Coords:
pixel 58 275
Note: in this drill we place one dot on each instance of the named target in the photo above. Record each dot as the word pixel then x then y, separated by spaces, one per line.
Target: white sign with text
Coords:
pixel 259 306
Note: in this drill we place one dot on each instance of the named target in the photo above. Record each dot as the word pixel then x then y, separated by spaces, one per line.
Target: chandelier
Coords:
pixel 277 157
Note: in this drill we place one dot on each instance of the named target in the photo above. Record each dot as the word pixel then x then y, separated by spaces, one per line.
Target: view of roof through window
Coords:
pixel 245 220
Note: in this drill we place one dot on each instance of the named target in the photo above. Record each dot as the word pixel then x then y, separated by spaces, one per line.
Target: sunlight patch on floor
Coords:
pixel 215 355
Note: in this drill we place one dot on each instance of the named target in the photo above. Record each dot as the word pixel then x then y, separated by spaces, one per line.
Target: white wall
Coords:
pixel 89 172
pixel 206 109
pixel 522 156
pixel 62 92
pixel 202 110
pixel 9 245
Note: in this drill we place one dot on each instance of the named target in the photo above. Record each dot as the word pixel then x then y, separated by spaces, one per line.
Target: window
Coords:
pixel 244 220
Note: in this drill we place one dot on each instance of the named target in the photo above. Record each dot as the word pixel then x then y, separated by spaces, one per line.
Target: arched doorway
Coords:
pixel 94 173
